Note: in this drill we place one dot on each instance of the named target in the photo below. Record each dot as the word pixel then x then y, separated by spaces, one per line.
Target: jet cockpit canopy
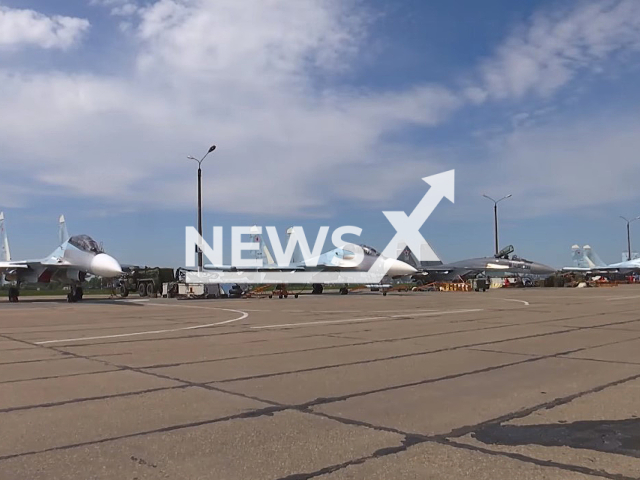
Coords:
pixel 369 251
pixel 520 259
pixel 85 243
pixel 505 252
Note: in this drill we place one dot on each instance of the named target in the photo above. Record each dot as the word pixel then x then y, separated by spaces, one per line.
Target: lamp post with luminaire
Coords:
pixel 629 234
pixel 211 149
pixel 495 216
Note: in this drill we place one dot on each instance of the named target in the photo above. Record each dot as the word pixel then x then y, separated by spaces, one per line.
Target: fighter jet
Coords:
pixel 586 260
pixel 498 264
pixel 70 263
pixel 342 259
pixel 336 260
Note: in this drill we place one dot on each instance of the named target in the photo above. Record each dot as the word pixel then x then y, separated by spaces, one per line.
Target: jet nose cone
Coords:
pixel 541 269
pixel 105 265
pixel 397 268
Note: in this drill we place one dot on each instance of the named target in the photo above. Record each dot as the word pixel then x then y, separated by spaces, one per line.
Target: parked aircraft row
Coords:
pixel 587 261
pixel 406 265
pixel 79 255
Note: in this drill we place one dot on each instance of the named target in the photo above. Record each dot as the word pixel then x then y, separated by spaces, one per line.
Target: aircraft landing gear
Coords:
pixel 14 293
pixel 318 288
pixel 344 291
pixel 75 295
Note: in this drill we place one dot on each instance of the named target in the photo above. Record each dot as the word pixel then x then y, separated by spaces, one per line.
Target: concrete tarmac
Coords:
pixel 507 384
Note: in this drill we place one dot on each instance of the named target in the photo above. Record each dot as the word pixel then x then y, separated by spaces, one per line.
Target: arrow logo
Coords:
pixel 408 227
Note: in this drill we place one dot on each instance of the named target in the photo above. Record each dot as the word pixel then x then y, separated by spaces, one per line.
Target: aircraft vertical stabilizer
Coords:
pixel 427 252
pixel 62 231
pixel 593 257
pixel 578 257
pixel 6 253
pixel 406 255
pixel 267 254
pixel 297 252
pixel 262 253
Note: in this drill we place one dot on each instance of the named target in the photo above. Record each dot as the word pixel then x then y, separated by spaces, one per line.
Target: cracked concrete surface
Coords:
pixel 408 386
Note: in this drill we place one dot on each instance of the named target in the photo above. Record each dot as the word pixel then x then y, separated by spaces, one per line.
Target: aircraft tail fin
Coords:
pixel 578 257
pixel 267 254
pixel 63 234
pixel 262 253
pixel 6 253
pixel 406 255
pixel 297 252
pixel 593 257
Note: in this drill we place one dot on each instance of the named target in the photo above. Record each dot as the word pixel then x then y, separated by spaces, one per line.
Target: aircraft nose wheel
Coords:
pixel 14 293
pixel 75 295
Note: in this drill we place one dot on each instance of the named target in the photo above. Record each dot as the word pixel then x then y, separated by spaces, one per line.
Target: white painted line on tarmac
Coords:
pixel 514 300
pixel 355 311
pixel 242 316
pixel 252 310
pixel 613 299
pixel 200 307
pixel 367 319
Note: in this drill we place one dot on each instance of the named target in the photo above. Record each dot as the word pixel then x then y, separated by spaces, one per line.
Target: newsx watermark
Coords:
pixel 347 263
pixel 283 256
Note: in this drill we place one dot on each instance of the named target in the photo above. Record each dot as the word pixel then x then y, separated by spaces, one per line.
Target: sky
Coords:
pixel 324 112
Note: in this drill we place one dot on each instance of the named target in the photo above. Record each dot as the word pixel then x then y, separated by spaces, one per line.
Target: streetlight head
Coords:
pixel 212 148
pixel 192 158
pixel 509 196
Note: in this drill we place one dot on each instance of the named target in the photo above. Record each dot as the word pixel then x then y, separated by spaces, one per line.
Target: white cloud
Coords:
pixel 121 8
pixel 555 46
pixel 566 165
pixel 27 27
pixel 120 140
pixel 270 38
pixel 235 73
pixel 259 79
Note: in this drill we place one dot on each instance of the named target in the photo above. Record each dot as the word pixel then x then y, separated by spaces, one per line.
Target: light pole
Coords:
pixel 629 234
pixel 495 216
pixel 211 149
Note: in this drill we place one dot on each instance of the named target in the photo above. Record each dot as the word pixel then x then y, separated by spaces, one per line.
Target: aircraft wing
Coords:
pixel 322 266
pixel 24 264
pixel 12 265
pixel 608 268
pixel 53 262
pixel 261 268
pixel 438 268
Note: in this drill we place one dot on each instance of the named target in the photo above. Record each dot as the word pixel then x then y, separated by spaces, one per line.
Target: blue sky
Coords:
pixel 324 113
